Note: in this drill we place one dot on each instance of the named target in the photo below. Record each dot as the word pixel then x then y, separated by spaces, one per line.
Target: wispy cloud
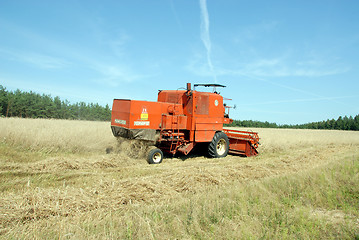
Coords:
pixel 197 66
pixel 259 55
pixel 118 43
pixel 256 31
pixel 287 67
pixel 36 59
pixel 114 74
pixel 205 35
pixel 110 68
pixel 265 69
pixel 178 21
pixel 296 89
pixel 280 66
pixel 44 61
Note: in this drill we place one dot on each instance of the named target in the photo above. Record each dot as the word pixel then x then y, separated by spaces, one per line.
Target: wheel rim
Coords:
pixel 156 158
pixel 221 146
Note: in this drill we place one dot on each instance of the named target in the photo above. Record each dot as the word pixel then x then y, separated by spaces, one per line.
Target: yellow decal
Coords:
pixel 144 114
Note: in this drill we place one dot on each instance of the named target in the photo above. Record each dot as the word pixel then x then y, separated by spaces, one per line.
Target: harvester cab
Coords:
pixel 215 86
pixel 178 121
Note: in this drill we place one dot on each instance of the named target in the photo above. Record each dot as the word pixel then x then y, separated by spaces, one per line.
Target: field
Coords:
pixel 57 181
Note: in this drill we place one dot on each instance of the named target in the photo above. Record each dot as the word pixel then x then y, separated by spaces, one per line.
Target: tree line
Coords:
pixel 342 123
pixel 33 105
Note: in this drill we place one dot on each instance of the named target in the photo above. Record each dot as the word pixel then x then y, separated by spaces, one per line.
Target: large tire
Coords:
pixel 155 156
pixel 219 146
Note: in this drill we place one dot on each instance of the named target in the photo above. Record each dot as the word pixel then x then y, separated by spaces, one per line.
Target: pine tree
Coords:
pixel 3 100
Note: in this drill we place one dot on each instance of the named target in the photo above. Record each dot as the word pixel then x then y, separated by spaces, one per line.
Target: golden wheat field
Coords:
pixel 58 182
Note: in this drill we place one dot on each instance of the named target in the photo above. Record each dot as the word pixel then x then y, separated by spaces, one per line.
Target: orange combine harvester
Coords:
pixel 178 121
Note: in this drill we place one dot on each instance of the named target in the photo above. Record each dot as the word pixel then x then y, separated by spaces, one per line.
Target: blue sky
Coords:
pixel 282 61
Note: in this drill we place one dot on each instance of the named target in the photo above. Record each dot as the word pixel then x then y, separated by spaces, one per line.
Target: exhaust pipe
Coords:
pixel 188 86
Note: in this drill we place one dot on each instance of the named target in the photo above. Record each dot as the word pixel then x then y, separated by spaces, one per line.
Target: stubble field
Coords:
pixel 57 181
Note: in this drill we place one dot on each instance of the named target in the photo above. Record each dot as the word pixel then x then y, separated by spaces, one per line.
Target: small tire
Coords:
pixel 155 156
pixel 219 145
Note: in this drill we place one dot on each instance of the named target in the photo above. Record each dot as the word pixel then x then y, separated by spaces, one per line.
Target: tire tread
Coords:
pixel 212 147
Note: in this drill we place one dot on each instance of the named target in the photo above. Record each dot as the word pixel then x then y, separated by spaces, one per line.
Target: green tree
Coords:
pixel 34 105
pixel 356 123
pixel 3 100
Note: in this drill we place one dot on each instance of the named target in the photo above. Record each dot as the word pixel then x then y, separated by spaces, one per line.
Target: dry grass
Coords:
pixel 58 182
pixel 274 140
pixel 55 135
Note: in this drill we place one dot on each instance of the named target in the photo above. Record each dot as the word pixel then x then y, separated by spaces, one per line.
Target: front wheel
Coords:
pixel 219 145
pixel 155 156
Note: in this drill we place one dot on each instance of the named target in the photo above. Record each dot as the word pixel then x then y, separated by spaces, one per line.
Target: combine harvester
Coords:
pixel 178 121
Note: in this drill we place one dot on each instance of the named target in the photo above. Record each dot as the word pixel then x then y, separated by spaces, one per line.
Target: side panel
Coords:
pixel 120 112
pixel 209 124
pixel 202 104
pixel 208 115
pixel 204 136
pixel 171 96
pixel 216 108
pixel 174 121
pixel 145 115
pixel 135 114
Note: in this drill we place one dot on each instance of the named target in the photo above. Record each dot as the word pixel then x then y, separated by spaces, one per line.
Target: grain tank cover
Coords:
pixel 135 119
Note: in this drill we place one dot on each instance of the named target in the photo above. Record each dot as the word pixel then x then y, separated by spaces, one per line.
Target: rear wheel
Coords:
pixel 155 156
pixel 219 146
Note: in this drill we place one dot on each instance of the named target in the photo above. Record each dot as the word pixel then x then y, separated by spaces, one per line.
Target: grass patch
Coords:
pixel 324 202
pixel 11 154
pixel 321 203
pixel 19 180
